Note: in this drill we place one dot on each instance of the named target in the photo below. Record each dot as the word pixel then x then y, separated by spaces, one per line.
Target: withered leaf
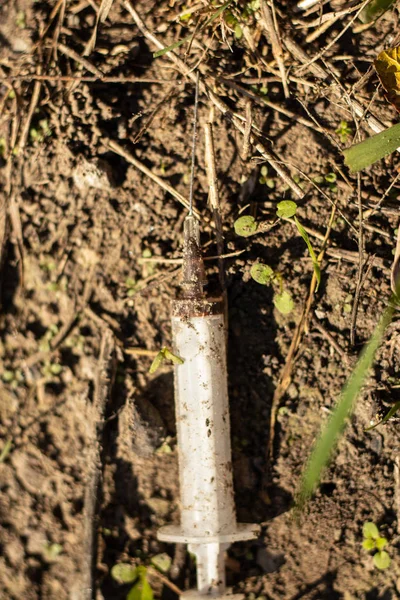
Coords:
pixel 387 65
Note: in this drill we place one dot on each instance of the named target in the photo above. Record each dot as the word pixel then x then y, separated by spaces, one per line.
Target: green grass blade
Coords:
pixel 365 153
pixel 374 10
pixel 172 46
pixel 330 434
pixel 189 37
pixel 395 408
pixel 305 237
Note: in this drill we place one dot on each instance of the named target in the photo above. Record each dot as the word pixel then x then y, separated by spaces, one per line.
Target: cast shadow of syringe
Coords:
pixel 253 357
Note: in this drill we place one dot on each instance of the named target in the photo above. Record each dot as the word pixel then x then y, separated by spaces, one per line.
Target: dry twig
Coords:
pixel 271 27
pixel 268 155
pixel 115 147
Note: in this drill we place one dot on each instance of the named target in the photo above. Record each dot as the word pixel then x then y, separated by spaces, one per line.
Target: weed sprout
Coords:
pixel 374 542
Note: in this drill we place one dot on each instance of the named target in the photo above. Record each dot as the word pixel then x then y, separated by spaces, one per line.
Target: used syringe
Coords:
pixel 208 518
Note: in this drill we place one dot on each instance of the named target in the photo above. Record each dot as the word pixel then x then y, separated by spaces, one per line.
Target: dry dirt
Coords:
pixel 80 218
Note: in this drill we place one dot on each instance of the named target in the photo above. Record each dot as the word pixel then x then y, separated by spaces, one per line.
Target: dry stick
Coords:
pixel 15 219
pixel 335 39
pixel 271 27
pixel 220 104
pixel 361 264
pixel 368 213
pixel 79 59
pixel 247 131
pixel 285 375
pixel 153 113
pixel 115 147
pixel 152 571
pixel 178 261
pixel 273 105
pixel 214 202
pixel 342 353
pixel 3 227
pixel 320 30
pixel 297 52
pixel 93 460
pixel 27 123
pixel 58 27
pixel 102 14
pixel 331 15
pixel 79 78
pixel 352 257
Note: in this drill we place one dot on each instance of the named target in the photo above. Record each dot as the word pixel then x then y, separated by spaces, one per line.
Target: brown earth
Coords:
pixel 80 218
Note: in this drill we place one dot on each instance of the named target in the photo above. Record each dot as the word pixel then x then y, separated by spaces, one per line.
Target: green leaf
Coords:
pixel 51 551
pixel 162 562
pixel 370 530
pixel 381 542
pixel 55 368
pixel 155 365
pixel 362 155
pixel 284 302
pixel 124 573
pixel 261 273
pixel 336 424
pixel 388 416
pixel 238 32
pixel 245 226
pixel 142 589
pixel 6 450
pixel 177 360
pixel 369 544
pixel 382 560
pixel 305 237
pixel 286 209
pixel 374 10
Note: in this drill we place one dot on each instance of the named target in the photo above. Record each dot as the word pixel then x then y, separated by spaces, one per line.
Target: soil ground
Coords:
pixel 80 219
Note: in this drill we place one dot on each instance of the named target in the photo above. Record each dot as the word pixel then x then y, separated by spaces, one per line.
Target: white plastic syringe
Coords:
pixel 208 518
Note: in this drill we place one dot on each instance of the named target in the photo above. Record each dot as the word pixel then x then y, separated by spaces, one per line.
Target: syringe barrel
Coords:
pixel 202 418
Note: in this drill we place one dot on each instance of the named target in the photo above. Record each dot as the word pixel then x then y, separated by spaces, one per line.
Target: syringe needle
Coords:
pixel 208 516
pixel 196 106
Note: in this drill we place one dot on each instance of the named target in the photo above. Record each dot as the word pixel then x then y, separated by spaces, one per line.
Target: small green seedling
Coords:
pixel 131 286
pixel 38 134
pixel 51 370
pixel 6 450
pixel 52 551
pixel 264 275
pixel 163 355
pixel 245 226
pixel 126 573
pixel 13 378
pixel 162 562
pixel 374 542
pixel 287 210
pixel 44 344
pixel 344 131
pixel 264 179
pixel 20 19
